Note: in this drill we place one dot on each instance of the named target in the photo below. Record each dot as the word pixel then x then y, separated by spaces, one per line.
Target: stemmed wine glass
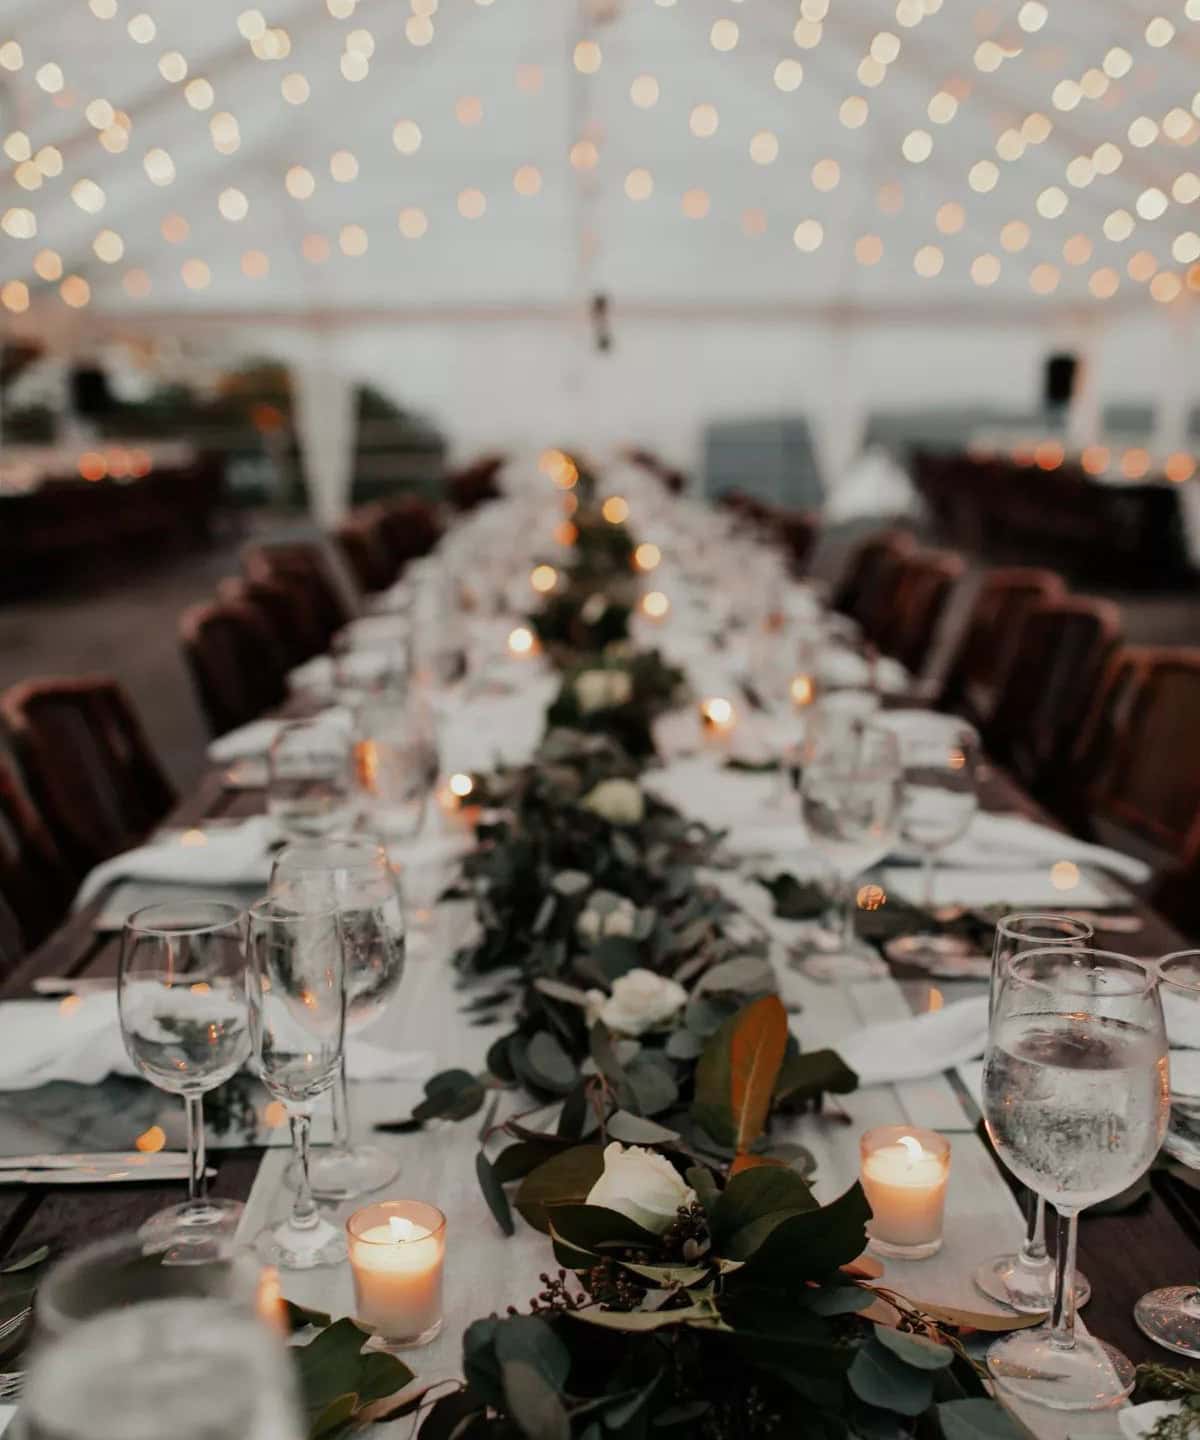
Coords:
pixel 850 800
pixel 354 876
pixel 309 784
pixel 297 990
pixel 1076 1104
pixel 181 993
pixel 1025 1281
pixel 1171 1316
pixel 940 757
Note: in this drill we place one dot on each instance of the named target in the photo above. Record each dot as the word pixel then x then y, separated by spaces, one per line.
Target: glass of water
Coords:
pixel 181 992
pixel 1025 1280
pixel 850 801
pixel 297 990
pixel 1075 1097
pixel 1171 1316
pixel 309 780
pixel 395 763
pixel 353 875
pixel 940 758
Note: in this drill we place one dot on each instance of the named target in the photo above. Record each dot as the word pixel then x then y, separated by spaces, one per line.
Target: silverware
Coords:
pixel 14 1322
pixel 98 1160
pixel 12 1382
pixel 92 1177
pixel 65 985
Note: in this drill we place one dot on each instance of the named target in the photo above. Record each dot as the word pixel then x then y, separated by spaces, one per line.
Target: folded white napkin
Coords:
pixel 375 632
pixel 891 677
pixel 1018 889
pixel 842 669
pixel 477 732
pixel 703 789
pixel 919 1045
pixel 1013 842
pixel 80 1040
pixel 315 674
pixel 250 741
pixel 225 855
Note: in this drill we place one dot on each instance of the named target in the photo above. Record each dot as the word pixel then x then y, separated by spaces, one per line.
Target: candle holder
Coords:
pixel 904 1175
pixel 397 1250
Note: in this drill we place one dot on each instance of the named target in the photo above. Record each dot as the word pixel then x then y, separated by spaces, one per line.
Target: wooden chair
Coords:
pixel 798 529
pixel 923 586
pixel 36 885
pixel 89 765
pixel 408 528
pixel 366 551
pixel 973 682
pixel 855 589
pixel 1059 655
pixel 283 606
pixel 305 566
pixel 1148 797
pixel 234 662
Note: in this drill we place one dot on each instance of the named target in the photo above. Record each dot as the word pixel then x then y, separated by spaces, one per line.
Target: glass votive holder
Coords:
pixel 904 1174
pixel 397 1251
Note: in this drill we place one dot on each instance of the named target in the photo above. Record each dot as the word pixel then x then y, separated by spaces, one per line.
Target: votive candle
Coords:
pixel 397 1251
pixel 904 1175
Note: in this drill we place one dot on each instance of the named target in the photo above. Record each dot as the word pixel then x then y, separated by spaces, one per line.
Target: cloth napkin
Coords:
pixel 43 1040
pixel 1025 888
pixel 919 1045
pixel 1013 842
pixel 478 732
pixel 226 855
pixel 250 741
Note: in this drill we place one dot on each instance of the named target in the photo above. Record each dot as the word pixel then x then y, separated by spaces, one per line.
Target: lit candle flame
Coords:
pixel 402 1229
pixel 913 1146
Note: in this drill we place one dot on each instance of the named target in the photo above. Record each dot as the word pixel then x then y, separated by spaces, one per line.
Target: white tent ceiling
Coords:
pixel 512 62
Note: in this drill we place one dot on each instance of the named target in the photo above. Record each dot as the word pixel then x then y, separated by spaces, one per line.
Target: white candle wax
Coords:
pixel 905 1185
pixel 398 1278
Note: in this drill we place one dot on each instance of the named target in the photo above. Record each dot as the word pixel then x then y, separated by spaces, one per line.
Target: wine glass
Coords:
pixel 309 786
pixel 181 994
pixel 1075 1098
pixel 940 759
pixel 395 763
pixel 1025 1280
pixel 850 800
pixel 1171 1316
pixel 297 990
pixel 354 876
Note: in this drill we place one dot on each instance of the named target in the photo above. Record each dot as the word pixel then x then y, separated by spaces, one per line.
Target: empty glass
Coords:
pixel 1026 1280
pixel 181 992
pixel 297 990
pixel 1076 1104
pixel 940 758
pixel 309 784
pixel 354 876
pixel 395 762
pixel 1171 1316
pixel 850 800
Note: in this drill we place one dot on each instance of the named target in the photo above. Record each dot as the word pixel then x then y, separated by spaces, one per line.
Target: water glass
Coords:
pixel 1075 1098
pixel 850 801
pixel 309 782
pixel 395 763
pixel 297 990
pixel 181 994
pixel 353 875
pixel 1171 1316
pixel 1025 1280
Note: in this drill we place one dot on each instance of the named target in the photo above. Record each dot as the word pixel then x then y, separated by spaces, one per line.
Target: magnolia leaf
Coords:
pixel 493 1193
pixel 751 1206
pixel 736 1075
pixel 595 1229
pixel 809 1246
pixel 882 1379
pixel 564 1179
pixel 745 975
pixel 978 1319
pixel 915 1350
pixel 534 1403
pixel 26 1262
pixel 336 1414
pixel 805 1076
pixel 977 1419
pixel 641 1321
pixel 636 1130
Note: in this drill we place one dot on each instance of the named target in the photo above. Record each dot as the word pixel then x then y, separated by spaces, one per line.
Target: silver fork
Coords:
pixel 14 1322
pixel 11 1384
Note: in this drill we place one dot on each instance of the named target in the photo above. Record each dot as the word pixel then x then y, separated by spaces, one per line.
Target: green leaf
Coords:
pixel 532 1341
pixel 830 1300
pixel 480 1364
pixel 604 1054
pixel 795 900
pixel 299 1317
pixel 704 1183
pixel 643 1321
pixel 550 1064
pixel 684 1045
pixel 752 1204
pixel 595 1229
pixel 627 1406
pixel 514 1162
pixel 806 1076
pixel 564 1179
pixel 743 975
pixel 736 1075
pixel 635 1130
pixel 809 1246
pixel 26 1262
pixel 882 1379
pixel 977 1419
pixel 450 1415
pixel 915 1350
pixel 614 956
pixel 493 1193
pixel 335 1415
pixel 451 1095
pixel 654 1088
pixel 533 1403
pixel 333 1365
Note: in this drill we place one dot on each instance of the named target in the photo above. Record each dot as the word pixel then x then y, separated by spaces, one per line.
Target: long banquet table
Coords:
pixel 1155 1243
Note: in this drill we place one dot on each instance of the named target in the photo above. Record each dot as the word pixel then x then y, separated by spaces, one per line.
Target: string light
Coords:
pixel 343 166
pixel 584 155
pixel 315 249
pixel 472 204
pixel 48 265
pixel 695 204
pixel 928 261
pixel 295 88
pixel 88 196
pixel 868 249
pixel 788 75
pixel 299 182
pixel 195 274
pixel 1104 283
pixel 587 57
pixel 808 236
pixel 352 241
pixel 413 223
pixel 950 218
pixel 256 265
pixel 942 108
pixel 764 147
pixel 917 146
pixel 233 204
pixel 703 121
pixel 826 175
pixel 639 184
pixel 754 223
pixel 1014 236
pixel 985 269
pixel 1077 250
pixel 853 112
pixel 406 137
pixel 108 246
pixel 527 180
pixel 159 167
pixel 468 110
pixel 75 292
pixel 14 295
pixel 724 35
pixel 644 92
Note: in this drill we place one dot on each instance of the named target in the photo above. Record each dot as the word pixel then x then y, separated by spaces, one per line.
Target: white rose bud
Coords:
pixel 620 688
pixel 592 690
pixel 641 1001
pixel 588 924
pixel 621 921
pixel 642 1186
pixel 618 801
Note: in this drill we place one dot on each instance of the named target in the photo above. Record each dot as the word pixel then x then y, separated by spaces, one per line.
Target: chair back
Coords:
pixel 305 566
pixel 980 664
pixel 923 586
pixel 798 529
pixel 90 767
pixel 856 588
pixel 283 606
pixel 36 884
pixel 1058 663
pixel 365 551
pixel 408 528
pixel 234 662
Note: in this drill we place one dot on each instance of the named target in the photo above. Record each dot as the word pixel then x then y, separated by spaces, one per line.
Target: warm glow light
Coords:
pixel 1165 287
pixel 1106 158
pixel 644 92
pixel 88 196
pixel 255 264
pixel 985 269
pixel 543 578
pixel 717 711
pixel 468 110
pixel 950 218
pixel 315 249
pixel 232 204
pixel 50 78
pixel 807 36
pixel 647 556
pixel 75 292
pixel 159 167
pixel 639 184
pixel 808 235
pixel 1036 127
pixel 19 223
pixel 1077 250
pixel 1043 279
pixel 48 265
pixel 1118 225
pixel 529 79
pixel 1179 467
pixel 1014 236
pixel 1032 16
pixel 406 137
pixel 1104 283
pixel 1048 455
pixel 928 261
pixel 108 246
pixel 1159 32
pixel 1095 459
pixel 352 241
pixel 788 76
pixel 1142 266
pixel 412 222
pixel 703 121
pixel 299 182
pixel 17 146
pixel 172 67
pixel 754 222
pixel 199 94
pixel 868 249
pixel 587 57
pixel 1010 145
pixel 890 198
pixel 1135 463
pixel 724 35
pixel 343 166
pixel 655 605
pixel 14 296
pixel 695 204
pixel 461 784
pixel 764 147
pixel 826 175
pixel 196 274
pixel 942 108
pixel 615 509
pixel 1066 95
pixel 295 88
pixel 870 72
pixel 983 176
pixel 136 284
pixel 802 691
pixel 584 155
pixel 853 112
pixel 418 30
pixel 521 641
pixel 226 135
pixel 149 1142
pixel 885 47
pixel 11 56
pixel 1177 124
pixel 1185 248
pixel 1080 171
pixel 1151 203
pixel 1117 62
pixel 1051 202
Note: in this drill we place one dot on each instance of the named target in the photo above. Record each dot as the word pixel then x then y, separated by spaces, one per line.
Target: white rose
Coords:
pixel 641 1001
pixel 588 924
pixel 591 691
pixel 618 801
pixel 642 1186
pixel 620 687
pixel 621 921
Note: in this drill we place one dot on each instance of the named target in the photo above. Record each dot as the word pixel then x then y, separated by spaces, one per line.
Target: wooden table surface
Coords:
pixel 1156 1243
